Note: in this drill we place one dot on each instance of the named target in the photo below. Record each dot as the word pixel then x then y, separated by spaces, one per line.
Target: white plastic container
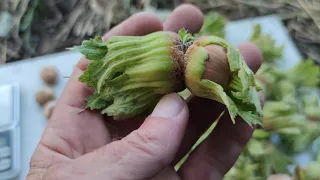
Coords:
pixel 9 131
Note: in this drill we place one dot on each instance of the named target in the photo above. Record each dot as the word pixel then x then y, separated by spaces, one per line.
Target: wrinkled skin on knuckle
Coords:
pixel 61 171
pixel 39 164
pixel 147 144
pixel 36 169
pixel 143 141
pixel 35 174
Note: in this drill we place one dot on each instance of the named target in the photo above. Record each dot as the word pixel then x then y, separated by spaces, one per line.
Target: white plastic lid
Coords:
pixel 9 126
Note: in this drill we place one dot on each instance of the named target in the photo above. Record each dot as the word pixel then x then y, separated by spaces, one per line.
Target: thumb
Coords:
pixel 153 146
pixel 142 154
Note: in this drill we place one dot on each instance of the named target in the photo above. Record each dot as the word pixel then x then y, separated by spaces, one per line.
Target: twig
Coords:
pixel 3 51
pixel 109 14
pixel 14 4
pixel 66 28
pixel 312 8
pixel 22 8
pixel 291 14
pixel 81 26
pixel 57 14
pixel 4 5
pixel 146 3
pixel 261 4
pixel 12 52
pixel 88 23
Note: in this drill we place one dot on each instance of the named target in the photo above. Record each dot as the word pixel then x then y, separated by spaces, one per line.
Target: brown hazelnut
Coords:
pixel 44 95
pixel 49 75
pixel 49 108
pixel 217 66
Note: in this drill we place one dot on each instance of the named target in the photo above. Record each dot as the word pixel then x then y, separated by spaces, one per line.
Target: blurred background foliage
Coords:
pixel 30 28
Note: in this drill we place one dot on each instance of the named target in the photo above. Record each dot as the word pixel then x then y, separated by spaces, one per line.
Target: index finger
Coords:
pixel 140 24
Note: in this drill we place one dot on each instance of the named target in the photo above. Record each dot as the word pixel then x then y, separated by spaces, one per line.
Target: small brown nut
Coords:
pixel 49 75
pixel 44 95
pixel 49 108
pixel 217 66
pixel 279 177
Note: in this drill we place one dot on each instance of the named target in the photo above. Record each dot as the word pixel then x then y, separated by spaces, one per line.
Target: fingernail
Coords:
pixel 169 106
pixel 105 37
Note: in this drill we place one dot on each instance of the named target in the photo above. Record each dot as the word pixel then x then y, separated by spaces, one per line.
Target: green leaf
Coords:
pixel 304 74
pixel 289 131
pixel 244 169
pixel 305 139
pixel 313 113
pixel 185 94
pixel 214 25
pixel 274 109
pixel 96 102
pixel 94 49
pixel 91 76
pixel 318 150
pixel 260 133
pixel 256 148
pixel 312 170
pixel 278 161
pixel 256 32
pixel 185 36
pixel 282 117
pixel 309 100
pixel 270 51
pixel 203 137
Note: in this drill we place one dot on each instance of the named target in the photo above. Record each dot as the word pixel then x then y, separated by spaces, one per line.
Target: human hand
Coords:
pixel 85 146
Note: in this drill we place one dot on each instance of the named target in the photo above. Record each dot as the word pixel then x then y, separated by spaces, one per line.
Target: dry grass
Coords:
pixel 31 28
pixel 48 26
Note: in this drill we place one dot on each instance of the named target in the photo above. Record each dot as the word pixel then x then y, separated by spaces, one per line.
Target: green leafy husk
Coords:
pixel 240 97
pixel 304 74
pixel 310 172
pixel 129 74
pixel 213 25
pixel 290 110
pixel 270 51
pixel 259 160
pixel 279 84
pixel 244 169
